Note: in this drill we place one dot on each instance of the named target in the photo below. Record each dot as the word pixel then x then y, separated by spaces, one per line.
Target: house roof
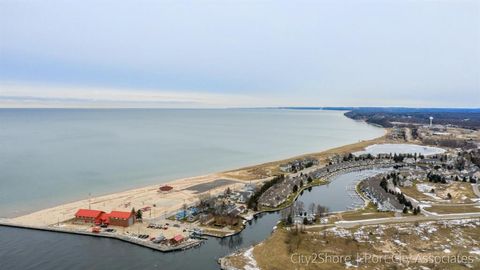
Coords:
pixel 177 238
pixel 166 188
pixel 88 213
pixel 104 217
pixel 120 214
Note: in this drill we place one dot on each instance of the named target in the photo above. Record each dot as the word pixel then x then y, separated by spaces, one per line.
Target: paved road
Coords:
pixel 408 135
pixel 350 224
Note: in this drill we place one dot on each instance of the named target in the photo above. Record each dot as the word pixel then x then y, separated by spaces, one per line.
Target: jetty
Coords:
pixel 190 243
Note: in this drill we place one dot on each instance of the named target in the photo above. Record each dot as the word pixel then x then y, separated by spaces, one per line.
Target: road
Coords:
pixel 350 224
pixel 408 135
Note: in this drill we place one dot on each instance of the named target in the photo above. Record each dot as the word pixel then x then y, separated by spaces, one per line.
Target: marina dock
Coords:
pixel 132 240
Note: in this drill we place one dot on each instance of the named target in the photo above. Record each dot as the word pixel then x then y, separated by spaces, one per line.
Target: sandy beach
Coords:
pixel 185 191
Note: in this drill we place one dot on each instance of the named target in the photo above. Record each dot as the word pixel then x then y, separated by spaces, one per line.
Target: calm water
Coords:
pixel 51 156
pixel 27 249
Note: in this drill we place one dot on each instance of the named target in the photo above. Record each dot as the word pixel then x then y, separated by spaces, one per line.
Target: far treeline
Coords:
pixel 464 118
pixel 385 116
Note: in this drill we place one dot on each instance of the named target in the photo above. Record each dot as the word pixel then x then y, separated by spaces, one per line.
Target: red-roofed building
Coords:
pixel 177 239
pixel 165 188
pixel 103 219
pixel 120 218
pixel 87 215
pixel 97 217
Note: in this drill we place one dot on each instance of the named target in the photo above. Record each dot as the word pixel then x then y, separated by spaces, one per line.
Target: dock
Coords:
pixel 132 240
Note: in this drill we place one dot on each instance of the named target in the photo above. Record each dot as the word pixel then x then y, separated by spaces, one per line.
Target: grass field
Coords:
pixel 460 192
pixel 368 212
pixel 450 209
pixel 413 241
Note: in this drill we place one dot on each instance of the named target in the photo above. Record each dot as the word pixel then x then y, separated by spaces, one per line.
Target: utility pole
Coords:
pixel 89 203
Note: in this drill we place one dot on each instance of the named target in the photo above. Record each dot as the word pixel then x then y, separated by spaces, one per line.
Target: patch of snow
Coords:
pixel 388 148
pixel 475 251
pixel 251 263
pixel 398 242
pixel 424 187
pixel 447 250
pixel 340 232
pixel 349 264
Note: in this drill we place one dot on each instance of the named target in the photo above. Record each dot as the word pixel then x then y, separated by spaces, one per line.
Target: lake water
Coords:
pixel 51 156
pixel 28 249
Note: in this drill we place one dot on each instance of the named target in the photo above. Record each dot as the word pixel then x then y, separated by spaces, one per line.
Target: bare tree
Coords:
pixel 284 213
pixel 204 199
pixel 299 207
pixel 311 208
pixel 321 210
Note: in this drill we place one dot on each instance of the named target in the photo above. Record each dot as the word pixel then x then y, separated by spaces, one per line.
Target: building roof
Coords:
pixel 88 213
pixel 120 214
pixel 177 238
pixel 166 188
pixel 104 217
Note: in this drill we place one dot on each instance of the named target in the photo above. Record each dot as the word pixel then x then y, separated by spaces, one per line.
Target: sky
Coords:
pixel 239 53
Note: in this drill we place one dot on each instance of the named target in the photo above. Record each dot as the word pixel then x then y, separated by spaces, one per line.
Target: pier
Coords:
pixel 147 244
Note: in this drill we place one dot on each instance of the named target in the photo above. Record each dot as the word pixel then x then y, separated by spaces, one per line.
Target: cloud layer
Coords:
pixel 22 95
pixel 204 52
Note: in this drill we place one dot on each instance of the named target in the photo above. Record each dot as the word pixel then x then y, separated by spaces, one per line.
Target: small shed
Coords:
pixel 177 239
pixel 165 188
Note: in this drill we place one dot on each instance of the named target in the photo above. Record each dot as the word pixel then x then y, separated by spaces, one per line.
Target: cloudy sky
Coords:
pixel 239 53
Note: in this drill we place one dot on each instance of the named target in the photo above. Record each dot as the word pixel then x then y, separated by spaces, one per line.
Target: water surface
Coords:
pixel 52 156
pixel 28 249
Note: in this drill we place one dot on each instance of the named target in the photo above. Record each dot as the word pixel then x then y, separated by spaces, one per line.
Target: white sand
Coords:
pixel 166 202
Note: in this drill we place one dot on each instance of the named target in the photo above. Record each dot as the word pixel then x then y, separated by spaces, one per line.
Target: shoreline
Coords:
pixel 240 174
pixel 172 201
